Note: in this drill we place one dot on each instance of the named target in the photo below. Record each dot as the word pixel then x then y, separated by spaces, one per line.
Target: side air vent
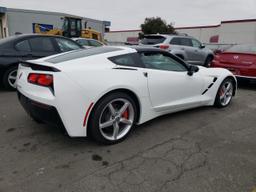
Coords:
pixel 214 80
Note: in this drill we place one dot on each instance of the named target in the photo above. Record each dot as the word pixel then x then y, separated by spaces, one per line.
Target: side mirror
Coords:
pixel 202 46
pixel 192 69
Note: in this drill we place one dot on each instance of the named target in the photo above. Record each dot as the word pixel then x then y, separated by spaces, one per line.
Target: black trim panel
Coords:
pixel 45 113
pixel 124 68
pixel 37 67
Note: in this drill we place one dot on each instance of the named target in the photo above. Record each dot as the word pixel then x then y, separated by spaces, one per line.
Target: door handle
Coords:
pixel 145 74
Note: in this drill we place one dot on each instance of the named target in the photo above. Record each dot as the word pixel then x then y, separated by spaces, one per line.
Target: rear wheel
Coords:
pixel 225 93
pixel 112 118
pixel 9 78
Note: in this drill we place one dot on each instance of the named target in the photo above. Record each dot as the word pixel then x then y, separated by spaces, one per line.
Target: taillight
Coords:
pixel 164 46
pixel 41 79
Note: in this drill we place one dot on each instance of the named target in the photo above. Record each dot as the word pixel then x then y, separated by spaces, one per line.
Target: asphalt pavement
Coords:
pixel 200 150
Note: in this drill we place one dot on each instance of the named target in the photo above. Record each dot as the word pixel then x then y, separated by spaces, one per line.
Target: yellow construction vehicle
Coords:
pixel 72 27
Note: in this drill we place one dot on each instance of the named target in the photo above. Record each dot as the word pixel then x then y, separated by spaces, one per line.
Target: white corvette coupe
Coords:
pixel 103 92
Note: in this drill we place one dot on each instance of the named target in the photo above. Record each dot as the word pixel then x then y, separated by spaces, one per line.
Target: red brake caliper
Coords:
pixel 221 92
pixel 126 114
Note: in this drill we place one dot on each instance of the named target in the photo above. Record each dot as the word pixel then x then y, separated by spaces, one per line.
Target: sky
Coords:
pixel 130 14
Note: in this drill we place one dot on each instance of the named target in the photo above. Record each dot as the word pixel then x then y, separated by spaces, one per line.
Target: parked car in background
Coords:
pixel 26 47
pixel 88 43
pixel 187 48
pixel 239 59
pixel 103 92
pixel 132 41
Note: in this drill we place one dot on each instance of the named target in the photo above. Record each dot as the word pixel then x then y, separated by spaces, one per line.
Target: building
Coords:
pixel 13 21
pixel 228 32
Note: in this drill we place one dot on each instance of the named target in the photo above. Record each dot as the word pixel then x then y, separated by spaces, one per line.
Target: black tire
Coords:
pixel 93 124
pixel 218 101
pixel 5 80
pixel 208 61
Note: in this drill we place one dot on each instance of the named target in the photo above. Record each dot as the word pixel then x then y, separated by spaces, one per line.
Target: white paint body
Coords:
pixel 86 80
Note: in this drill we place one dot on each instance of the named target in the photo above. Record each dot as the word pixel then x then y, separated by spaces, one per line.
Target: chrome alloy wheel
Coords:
pixel 226 93
pixel 12 78
pixel 116 119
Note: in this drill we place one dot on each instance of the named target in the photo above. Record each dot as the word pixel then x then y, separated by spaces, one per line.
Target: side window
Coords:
pixel 41 44
pixel 66 45
pixel 186 42
pixel 83 42
pixel 23 46
pixel 125 60
pixel 196 43
pixel 175 41
pixel 161 61
pixel 95 43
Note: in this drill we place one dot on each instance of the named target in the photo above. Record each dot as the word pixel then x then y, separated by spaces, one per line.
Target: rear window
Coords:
pixel 41 44
pixel 81 53
pixel 128 60
pixel 23 46
pixel 243 49
pixel 152 40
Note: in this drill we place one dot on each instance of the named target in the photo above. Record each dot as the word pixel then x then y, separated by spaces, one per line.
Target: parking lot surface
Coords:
pixel 200 150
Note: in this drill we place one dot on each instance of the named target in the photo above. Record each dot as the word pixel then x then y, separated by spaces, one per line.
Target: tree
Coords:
pixel 155 25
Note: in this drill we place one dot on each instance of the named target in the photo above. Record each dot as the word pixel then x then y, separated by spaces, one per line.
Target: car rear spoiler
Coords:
pixel 38 67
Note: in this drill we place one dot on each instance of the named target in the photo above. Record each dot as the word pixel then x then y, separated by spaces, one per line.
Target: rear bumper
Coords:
pixel 45 113
pixel 245 72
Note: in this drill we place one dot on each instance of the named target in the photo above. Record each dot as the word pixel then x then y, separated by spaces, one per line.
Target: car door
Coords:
pixel 170 87
pixel 42 47
pixel 130 72
pixel 192 53
pixel 199 54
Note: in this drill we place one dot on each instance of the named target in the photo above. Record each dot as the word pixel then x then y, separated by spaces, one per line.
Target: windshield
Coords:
pixel 152 40
pixel 243 49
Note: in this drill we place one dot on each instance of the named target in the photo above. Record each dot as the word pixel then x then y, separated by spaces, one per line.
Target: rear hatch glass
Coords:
pixel 249 49
pixel 81 53
pixel 152 40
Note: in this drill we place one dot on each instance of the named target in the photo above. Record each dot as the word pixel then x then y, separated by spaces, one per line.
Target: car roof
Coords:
pixel 76 38
pixel 81 53
pixel 22 36
pixel 9 41
pixel 139 48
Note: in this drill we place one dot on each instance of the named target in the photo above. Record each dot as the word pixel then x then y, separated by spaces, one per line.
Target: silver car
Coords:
pixel 187 48
pixel 88 43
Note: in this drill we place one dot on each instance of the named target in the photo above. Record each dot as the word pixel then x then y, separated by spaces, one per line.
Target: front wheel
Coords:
pixel 112 118
pixel 225 93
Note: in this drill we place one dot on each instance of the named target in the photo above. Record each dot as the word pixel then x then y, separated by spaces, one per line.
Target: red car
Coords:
pixel 239 59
